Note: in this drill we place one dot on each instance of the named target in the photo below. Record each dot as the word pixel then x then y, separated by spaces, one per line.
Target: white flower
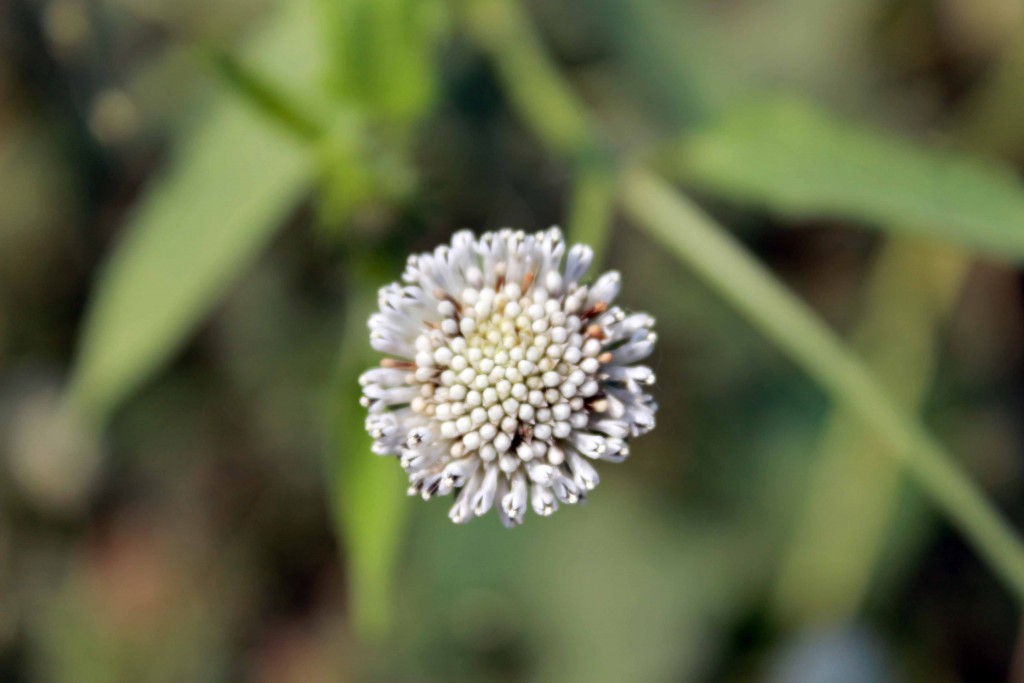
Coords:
pixel 507 376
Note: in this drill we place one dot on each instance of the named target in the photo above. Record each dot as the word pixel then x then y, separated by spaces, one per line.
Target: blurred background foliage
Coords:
pixel 198 202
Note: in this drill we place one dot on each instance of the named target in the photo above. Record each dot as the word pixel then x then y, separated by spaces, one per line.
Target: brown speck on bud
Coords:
pixel 395 363
pixel 442 295
pixel 595 310
pixel 528 280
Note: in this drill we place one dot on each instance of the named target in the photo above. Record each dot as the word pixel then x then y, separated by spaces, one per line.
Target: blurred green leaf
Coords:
pixel 228 188
pixel 382 53
pixel 359 169
pixel 625 588
pixel 367 491
pixel 670 59
pixel 267 97
pixel 533 83
pixel 680 226
pixel 854 487
pixel 854 499
pixel 381 72
pixel 202 224
pixel 991 119
pixel 591 207
pixel 796 159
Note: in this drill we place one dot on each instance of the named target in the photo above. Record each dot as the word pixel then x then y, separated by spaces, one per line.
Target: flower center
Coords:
pixel 508 370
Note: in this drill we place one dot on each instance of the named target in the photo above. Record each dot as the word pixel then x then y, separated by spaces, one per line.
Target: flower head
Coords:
pixel 506 376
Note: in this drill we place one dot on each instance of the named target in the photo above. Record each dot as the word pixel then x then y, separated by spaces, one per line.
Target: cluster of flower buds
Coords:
pixel 506 376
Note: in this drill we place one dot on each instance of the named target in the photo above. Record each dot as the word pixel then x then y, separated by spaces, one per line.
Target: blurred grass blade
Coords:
pixel 697 241
pixel 231 182
pixel 991 119
pixel 854 497
pixel 206 220
pixel 855 481
pixel 682 228
pixel 266 97
pixel 547 104
pixel 669 57
pixel 798 160
pixel 591 207
pixel 533 83
pixel 382 53
pixel 367 491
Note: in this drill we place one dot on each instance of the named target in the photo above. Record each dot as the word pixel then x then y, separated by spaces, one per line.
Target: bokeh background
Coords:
pixel 198 201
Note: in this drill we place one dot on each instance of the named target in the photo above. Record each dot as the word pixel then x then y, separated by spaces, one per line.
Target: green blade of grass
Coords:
pixel 855 480
pixel 232 180
pixel 696 240
pixel 366 491
pixel 854 491
pixel 591 206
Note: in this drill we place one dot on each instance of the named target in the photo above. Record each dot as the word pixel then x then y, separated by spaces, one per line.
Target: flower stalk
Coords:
pixel 694 238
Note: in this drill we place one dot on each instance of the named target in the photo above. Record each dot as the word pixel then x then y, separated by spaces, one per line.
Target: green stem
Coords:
pixel 549 105
pixel 591 207
pixel 266 97
pixel 366 493
pixel 854 485
pixel 535 86
pixel 682 227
